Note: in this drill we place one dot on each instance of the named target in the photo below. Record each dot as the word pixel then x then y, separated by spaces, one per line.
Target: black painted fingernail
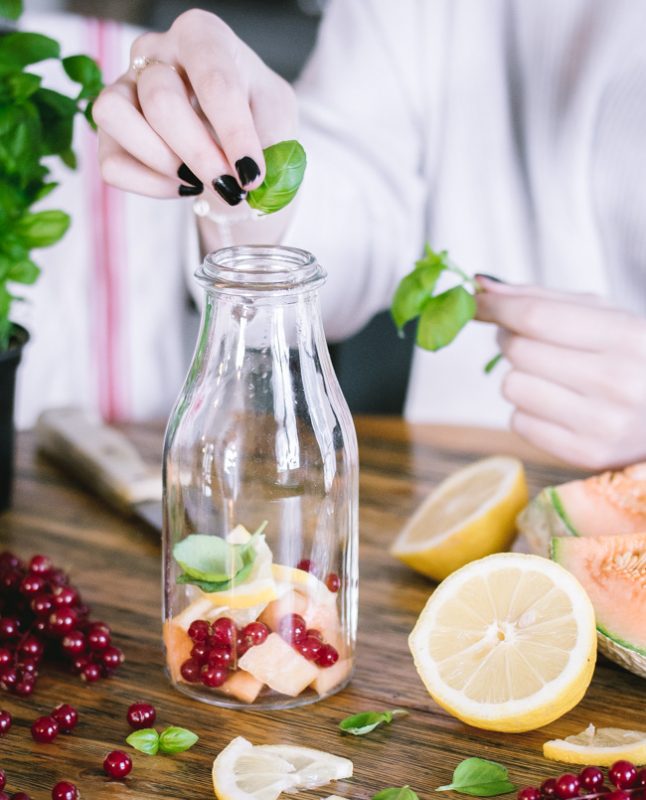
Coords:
pixel 490 277
pixel 185 174
pixel 229 189
pixel 190 191
pixel 247 170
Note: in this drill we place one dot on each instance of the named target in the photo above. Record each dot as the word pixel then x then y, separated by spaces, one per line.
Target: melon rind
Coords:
pixel 543 519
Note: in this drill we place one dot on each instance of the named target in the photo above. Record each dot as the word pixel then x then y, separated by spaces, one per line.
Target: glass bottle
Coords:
pixel 260 494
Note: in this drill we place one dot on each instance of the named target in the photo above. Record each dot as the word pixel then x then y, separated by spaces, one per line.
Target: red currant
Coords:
pixel 223 631
pixel 9 560
pixel 98 638
pixel 111 658
pixel 327 656
pixel 65 596
pixel 618 794
pixel 73 643
pixel 6 657
pixel 25 685
pixel 591 778
pixel 305 564
pixel 333 582
pixel 5 723
pixel 242 645
pixel 79 664
pixel 292 628
pixel 32 585
pixel 20 796
pixel 220 656
pixel 8 678
pixel 200 652
pixel 567 786
pixel 117 764
pixel 622 774
pixel 310 647
pixel 66 716
pixel 91 673
pixel 315 633
pixel 255 633
pixel 214 676
pixel 141 715
pixel 57 577
pixel 529 793
pixel 44 730
pixel 640 778
pixel 199 630
pixel 3 779
pixel 62 621
pixel 64 790
pixel 4 795
pixel 190 670
pixel 31 647
pixel 40 565
pixel 9 627
pixel 42 605
pixel 29 665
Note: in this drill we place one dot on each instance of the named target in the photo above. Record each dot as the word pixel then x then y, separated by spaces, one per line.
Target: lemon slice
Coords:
pixel 602 746
pixel 507 643
pixel 469 515
pixel 293 578
pixel 244 772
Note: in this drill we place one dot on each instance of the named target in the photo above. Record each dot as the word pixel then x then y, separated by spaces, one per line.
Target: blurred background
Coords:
pixel 373 366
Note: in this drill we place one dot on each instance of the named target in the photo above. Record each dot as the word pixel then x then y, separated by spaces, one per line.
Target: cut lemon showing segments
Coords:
pixel 602 746
pixel 469 515
pixel 243 771
pixel 506 643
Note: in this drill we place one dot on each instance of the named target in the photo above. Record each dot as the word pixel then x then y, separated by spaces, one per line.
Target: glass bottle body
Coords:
pixel 260 494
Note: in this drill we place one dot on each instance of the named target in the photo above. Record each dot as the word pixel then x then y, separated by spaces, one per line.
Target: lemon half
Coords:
pixel 602 746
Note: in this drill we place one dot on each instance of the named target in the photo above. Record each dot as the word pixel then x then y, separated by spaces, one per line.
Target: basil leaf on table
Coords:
pixel 176 740
pixel 396 793
pixel 145 740
pixel 367 721
pixel 285 164
pixel 480 778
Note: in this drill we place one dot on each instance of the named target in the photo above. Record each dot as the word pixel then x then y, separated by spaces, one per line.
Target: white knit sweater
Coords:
pixel 510 132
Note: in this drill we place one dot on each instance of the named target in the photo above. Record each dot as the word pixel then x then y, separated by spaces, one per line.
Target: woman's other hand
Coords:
pixel 196 113
pixel 578 372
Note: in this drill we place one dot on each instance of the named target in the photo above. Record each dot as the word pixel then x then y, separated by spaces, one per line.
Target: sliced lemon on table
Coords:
pixel 507 643
pixel 469 515
pixel 602 746
pixel 243 771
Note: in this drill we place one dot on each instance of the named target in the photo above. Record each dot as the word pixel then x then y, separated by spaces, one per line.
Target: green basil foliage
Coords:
pixel 285 166
pixel 169 741
pixel 440 316
pixel 367 721
pixel 212 563
pixel 146 740
pixel 396 793
pixel 480 778
pixel 35 122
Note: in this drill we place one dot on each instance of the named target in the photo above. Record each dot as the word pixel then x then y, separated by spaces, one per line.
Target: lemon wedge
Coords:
pixel 602 746
pixel 469 515
pixel 243 771
pixel 506 643
pixel 293 578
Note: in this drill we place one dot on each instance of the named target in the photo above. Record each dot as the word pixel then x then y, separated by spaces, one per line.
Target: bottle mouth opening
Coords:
pixel 266 269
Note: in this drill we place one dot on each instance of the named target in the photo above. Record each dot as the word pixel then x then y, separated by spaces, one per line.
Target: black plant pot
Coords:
pixel 9 360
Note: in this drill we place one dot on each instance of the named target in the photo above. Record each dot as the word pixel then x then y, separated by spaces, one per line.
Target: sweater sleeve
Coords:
pixel 362 205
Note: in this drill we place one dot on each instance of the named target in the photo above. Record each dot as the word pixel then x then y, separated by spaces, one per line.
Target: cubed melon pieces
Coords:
pixel 277 664
pixel 242 686
pixel 178 648
pixel 330 677
pixel 290 603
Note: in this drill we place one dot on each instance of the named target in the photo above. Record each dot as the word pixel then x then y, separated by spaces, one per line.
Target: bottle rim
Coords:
pixel 263 269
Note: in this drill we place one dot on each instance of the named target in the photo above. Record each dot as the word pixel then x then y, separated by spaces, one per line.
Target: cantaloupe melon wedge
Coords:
pixel 242 686
pixel 178 646
pixel 610 504
pixel 612 570
pixel 277 664
pixel 292 602
pixel 329 678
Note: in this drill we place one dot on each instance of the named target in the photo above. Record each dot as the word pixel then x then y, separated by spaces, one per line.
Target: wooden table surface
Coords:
pixel 116 564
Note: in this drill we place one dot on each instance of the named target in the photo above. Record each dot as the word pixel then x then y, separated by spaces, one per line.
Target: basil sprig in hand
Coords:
pixel 285 164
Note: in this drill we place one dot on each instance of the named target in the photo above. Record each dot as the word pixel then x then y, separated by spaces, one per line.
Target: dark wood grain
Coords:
pixel 115 563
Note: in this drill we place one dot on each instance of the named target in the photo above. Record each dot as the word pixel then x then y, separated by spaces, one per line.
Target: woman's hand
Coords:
pixel 203 100
pixel 578 376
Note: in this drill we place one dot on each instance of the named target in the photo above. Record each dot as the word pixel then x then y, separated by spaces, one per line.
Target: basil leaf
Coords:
pixel 145 740
pixel 492 363
pixel 285 164
pixel 10 9
pixel 20 48
pixel 367 721
pixel 84 70
pixel 24 272
pixel 444 316
pixel 480 778
pixel 207 558
pixel 176 740
pixel 42 228
pixel 396 793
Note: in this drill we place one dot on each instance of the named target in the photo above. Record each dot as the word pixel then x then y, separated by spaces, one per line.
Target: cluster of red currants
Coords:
pixel 42 613
pixel 628 782
pixel 63 719
pixel 332 580
pixel 307 641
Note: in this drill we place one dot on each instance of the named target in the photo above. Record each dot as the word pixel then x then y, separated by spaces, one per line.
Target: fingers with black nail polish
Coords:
pixel 247 170
pixel 229 189
pixel 489 277
pixel 189 191
pixel 186 175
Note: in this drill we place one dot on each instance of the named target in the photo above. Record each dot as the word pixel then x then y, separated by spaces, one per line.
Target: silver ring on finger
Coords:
pixel 140 63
